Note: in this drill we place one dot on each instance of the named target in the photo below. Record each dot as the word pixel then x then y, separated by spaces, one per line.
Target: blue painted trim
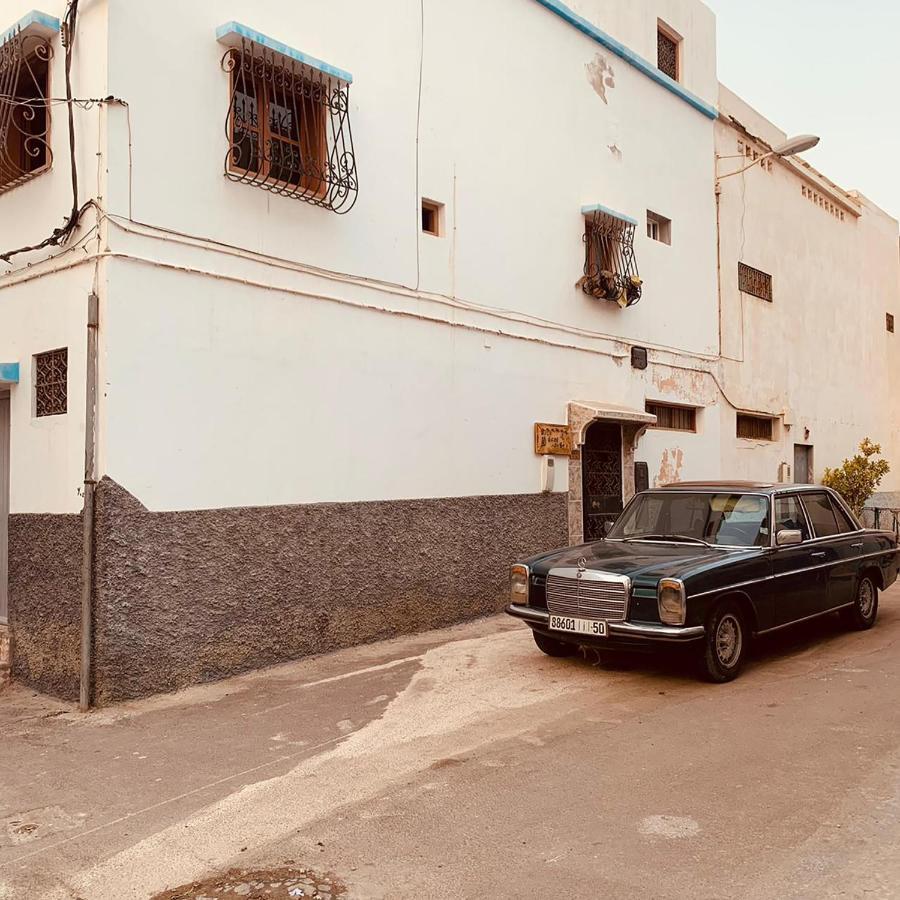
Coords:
pixel 632 58
pixel 596 207
pixel 9 373
pixel 34 18
pixel 235 29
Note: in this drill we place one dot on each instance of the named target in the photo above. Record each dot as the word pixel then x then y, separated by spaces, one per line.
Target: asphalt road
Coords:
pixel 463 763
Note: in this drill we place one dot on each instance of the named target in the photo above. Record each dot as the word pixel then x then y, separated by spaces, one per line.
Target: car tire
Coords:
pixel 725 644
pixel 864 611
pixel 553 647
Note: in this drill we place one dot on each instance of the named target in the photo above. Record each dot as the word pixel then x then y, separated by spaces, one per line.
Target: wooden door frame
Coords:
pixel 580 418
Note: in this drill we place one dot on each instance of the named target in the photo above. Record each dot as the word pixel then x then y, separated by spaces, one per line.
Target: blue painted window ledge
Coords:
pixel 35 22
pixel 9 373
pixel 232 33
pixel 596 207
pixel 632 58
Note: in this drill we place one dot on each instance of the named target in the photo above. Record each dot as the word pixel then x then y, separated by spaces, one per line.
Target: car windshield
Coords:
pixel 733 520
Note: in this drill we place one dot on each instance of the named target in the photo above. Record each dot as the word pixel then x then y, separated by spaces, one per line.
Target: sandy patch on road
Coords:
pixel 466 694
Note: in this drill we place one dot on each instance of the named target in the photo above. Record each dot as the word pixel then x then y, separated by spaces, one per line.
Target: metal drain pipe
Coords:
pixel 90 483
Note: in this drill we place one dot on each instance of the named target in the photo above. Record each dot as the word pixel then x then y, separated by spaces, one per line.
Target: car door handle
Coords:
pixel 820 555
pixel 857 546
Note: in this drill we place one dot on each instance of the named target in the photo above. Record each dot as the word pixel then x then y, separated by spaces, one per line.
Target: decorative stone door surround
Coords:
pixel 580 414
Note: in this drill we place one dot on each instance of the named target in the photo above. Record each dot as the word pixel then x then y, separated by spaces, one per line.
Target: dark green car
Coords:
pixel 708 564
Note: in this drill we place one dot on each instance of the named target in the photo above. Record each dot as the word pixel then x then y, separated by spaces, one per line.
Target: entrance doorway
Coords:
pixel 803 470
pixel 4 507
pixel 601 472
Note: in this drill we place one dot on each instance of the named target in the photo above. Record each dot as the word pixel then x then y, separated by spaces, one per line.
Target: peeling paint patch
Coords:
pixel 695 387
pixel 669 467
pixel 600 75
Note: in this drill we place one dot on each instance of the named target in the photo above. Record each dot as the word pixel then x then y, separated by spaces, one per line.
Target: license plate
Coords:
pixel 578 626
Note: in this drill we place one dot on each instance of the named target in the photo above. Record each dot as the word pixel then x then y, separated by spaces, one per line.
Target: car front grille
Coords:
pixel 594 595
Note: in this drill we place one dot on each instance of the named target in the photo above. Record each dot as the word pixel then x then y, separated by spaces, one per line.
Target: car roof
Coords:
pixel 764 487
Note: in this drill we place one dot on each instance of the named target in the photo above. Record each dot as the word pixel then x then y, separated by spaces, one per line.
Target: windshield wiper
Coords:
pixel 667 537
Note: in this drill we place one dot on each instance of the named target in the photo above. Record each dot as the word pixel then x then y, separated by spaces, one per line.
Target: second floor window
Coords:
pixel 288 129
pixel 755 282
pixel 24 110
pixel 668 52
pixel 610 268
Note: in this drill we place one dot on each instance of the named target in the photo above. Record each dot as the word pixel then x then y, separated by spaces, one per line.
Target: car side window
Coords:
pixel 821 514
pixel 845 523
pixel 789 516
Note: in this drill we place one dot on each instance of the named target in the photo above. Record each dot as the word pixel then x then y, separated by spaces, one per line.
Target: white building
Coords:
pixel 316 426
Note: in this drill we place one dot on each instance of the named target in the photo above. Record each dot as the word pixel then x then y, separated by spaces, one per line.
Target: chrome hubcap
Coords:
pixel 728 641
pixel 866 599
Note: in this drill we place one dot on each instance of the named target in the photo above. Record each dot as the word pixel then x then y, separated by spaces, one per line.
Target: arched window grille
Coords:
pixel 24 108
pixel 610 269
pixel 288 128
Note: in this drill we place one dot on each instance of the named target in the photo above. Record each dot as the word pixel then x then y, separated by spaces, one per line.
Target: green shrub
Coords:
pixel 857 478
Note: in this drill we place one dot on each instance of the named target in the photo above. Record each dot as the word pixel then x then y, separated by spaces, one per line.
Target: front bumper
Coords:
pixel 540 618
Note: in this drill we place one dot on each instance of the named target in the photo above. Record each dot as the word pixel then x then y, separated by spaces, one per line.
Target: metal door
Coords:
pixel 601 474
pixel 803 473
pixel 4 506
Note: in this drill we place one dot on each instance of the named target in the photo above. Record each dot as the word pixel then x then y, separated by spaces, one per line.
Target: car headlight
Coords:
pixel 518 585
pixel 671 600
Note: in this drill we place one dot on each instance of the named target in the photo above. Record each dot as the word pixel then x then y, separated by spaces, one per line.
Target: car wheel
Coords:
pixel 552 647
pixel 864 611
pixel 725 644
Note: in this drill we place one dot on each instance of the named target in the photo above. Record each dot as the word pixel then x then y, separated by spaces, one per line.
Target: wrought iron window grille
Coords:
pixel 667 54
pixel 288 129
pixel 24 108
pixel 755 282
pixel 51 387
pixel 610 269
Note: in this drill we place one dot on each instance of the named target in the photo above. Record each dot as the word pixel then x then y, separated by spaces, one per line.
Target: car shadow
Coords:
pixel 681 662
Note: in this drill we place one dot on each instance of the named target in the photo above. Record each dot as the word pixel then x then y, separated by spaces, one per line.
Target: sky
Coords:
pixel 824 67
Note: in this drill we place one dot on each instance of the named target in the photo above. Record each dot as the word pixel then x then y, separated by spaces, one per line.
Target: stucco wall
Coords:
pixel 45 601
pixel 193 596
pixel 819 356
pixel 46 454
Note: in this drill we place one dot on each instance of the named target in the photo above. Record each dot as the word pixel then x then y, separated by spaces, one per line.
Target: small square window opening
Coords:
pixel 432 216
pixel 659 228
pixel 889 322
pixel 51 383
pixel 755 282
pixel 668 51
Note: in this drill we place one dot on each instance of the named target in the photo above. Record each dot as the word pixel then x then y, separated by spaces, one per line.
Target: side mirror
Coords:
pixel 788 536
pixel 607 527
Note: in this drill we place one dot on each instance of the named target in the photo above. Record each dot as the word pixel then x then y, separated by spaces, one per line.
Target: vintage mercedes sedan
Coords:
pixel 710 565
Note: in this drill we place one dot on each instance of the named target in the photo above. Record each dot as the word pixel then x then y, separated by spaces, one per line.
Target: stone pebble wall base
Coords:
pixel 45 602
pixel 188 597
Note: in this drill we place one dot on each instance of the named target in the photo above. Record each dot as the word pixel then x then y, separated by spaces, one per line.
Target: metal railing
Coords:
pixel 882 517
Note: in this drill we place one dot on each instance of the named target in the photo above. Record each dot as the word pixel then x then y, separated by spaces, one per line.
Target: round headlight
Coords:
pixel 518 585
pixel 671 600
